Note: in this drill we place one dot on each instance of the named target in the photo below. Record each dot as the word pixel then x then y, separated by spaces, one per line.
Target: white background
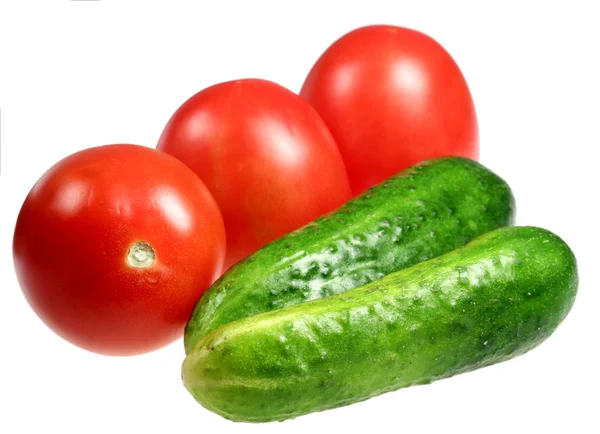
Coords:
pixel 80 74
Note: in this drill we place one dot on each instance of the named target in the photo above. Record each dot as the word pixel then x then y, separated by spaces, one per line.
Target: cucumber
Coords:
pixel 497 297
pixel 423 212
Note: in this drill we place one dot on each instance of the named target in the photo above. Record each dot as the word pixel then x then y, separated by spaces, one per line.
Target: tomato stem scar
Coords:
pixel 141 255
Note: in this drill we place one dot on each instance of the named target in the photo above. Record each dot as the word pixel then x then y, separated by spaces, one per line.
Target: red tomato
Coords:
pixel 265 155
pixel 114 245
pixel 391 97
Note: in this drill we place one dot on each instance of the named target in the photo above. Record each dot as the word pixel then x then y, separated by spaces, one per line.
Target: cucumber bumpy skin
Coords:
pixel 423 212
pixel 496 298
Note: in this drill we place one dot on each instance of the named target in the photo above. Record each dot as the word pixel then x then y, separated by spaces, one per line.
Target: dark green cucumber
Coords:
pixel 497 297
pixel 423 212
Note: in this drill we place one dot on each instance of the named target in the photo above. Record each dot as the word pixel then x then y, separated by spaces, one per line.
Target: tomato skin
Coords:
pixel 73 237
pixel 392 97
pixel 265 155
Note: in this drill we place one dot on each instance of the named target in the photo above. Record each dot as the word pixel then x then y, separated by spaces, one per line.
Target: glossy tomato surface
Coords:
pixel 391 97
pixel 265 155
pixel 114 245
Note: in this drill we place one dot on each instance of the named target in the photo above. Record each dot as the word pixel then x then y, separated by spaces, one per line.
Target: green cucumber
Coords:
pixel 423 212
pixel 495 298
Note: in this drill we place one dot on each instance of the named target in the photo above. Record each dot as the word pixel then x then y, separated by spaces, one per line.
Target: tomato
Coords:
pixel 265 155
pixel 391 97
pixel 114 245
